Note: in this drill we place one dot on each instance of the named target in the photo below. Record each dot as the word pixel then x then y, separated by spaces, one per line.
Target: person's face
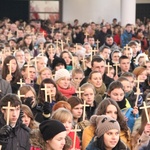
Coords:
pixel 26 120
pixel 128 28
pixel 77 78
pixel 128 53
pixel 31 95
pixel 134 49
pixel 66 58
pixel 46 74
pixel 104 29
pixel 125 65
pixel 111 73
pixel 141 61
pixel 51 52
pixel 88 96
pixel 68 125
pixel 91 41
pixel 96 80
pixel 115 57
pixel 31 73
pixel 99 66
pixel 13 115
pixel 41 64
pixel 105 54
pixel 148 67
pixel 64 82
pixel 52 90
pixel 111 111
pixel 131 80
pixel 60 66
pixel 88 48
pixel 126 86
pixel 111 138
pixel 77 111
pixel 13 65
pixel 109 41
pixel 58 141
pixel 143 76
pixel 28 40
pixel 20 57
pixel 117 94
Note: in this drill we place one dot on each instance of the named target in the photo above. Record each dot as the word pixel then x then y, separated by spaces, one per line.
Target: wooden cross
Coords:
pixel 126 47
pixel 108 67
pixel 138 82
pixel 46 90
pixel 42 51
pixel 28 66
pixel 19 95
pixel 94 51
pixel 146 112
pixel 9 35
pixel 116 67
pixel 75 130
pixel 21 83
pixel 137 95
pixel 73 62
pixel 79 92
pixel 67 40
pixel 8 108
pixel 86 34
pixel 57 43
pixel 62 45
pixel 83 61
pixel 9 64
pixel 84 111
pixel 97 44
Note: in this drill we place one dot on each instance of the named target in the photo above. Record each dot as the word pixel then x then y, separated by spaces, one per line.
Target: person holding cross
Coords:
pixel 13 135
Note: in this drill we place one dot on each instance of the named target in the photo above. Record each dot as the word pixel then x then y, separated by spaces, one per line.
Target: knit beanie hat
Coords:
pixel 57 61
pixel 103 124
pixel 50 128
pixel 61 73
pixel 138 70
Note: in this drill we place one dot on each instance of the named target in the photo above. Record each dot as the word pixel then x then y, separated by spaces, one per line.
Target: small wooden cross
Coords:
pixel 73 62
pixel 116 67
pixel 138 93
pixel 21 83
pixel 79 92
pixel 42 51
pixel 138 82
pixel 67 40
pixel 19 95
pixel 9 35
pixel 86 35
pixel 146 112
pixel 94 51
pixel 8 108
pixel 83 61
pixel 53 28
pixel 75 130
pixel 57 43
pixel 84 111
pixel 28 66
pixel 9 64
pixel 126 47
pixel 62 45
pixel 97 44
pixel 108 67
pixel 46 90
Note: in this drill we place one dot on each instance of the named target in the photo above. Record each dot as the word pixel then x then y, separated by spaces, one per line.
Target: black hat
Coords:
pixel 57 61
pixel 50 128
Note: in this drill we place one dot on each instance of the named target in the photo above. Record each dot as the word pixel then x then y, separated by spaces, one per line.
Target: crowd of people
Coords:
pixel 74 87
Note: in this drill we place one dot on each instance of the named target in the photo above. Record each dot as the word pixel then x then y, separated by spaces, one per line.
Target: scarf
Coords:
pixel 67 92
pixel 101 90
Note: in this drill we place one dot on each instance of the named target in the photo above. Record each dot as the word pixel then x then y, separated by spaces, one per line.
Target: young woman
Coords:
pixel 64 116
pixel 110 108
pixel 62 79
pixel 43 74
pixel 11 72
pixel 95 78
pixel 106 134
pixel 88 95
pixel 116 91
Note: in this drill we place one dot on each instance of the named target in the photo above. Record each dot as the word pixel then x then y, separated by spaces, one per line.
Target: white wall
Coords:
pixel 92 10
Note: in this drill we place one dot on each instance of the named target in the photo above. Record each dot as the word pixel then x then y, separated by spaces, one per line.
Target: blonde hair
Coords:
pixel 39 79
pixel 86 86
pixel 62 115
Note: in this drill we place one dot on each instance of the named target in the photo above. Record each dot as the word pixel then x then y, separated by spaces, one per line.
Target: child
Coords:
pixel 64 116
pixel 77 76
pixel 116 92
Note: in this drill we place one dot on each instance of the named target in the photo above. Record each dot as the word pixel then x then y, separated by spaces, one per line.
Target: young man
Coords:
pixel 15 135
pixel 105 53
